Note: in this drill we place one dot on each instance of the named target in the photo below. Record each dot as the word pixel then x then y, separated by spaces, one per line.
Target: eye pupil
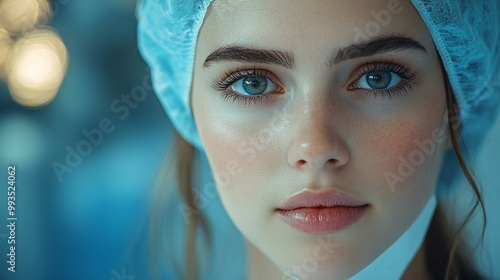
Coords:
pixel 379 79
pixel 254 85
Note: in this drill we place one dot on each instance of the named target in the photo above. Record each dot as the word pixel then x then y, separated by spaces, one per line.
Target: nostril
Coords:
pixel 317 155
pixel 332 161
pixel 301 162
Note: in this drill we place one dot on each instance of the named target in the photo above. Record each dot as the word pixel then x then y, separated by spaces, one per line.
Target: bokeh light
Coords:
pixel 5 45
pixel 18 16
pixel 36 67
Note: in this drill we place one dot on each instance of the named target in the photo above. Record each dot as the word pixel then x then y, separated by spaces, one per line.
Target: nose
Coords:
pixel 317 143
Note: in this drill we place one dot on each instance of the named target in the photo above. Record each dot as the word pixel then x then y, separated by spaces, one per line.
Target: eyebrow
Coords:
pixel 286 59
pixel 377 46
pixel 244 54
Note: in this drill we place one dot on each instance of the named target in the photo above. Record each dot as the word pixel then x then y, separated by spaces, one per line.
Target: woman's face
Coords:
pixel 323 122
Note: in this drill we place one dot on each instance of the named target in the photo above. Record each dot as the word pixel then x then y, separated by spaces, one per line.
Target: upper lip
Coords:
pixel 310 199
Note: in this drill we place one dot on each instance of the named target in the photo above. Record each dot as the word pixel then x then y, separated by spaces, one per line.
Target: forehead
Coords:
pixel 313 25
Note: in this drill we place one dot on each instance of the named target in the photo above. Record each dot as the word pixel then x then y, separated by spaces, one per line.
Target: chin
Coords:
pixel 320 272
pixel 320 266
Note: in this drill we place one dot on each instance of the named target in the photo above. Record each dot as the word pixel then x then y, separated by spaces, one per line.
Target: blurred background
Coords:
pixel 87 135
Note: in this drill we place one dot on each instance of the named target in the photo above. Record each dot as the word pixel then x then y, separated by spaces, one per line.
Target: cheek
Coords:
pixel 221 145
pixel 409 151
pixel 404 158
pixel 241 152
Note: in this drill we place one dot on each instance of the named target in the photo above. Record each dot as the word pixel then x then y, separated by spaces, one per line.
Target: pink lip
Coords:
pixel 321 213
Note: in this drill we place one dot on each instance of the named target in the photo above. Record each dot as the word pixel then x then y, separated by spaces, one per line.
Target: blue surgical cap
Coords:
pixel 466 35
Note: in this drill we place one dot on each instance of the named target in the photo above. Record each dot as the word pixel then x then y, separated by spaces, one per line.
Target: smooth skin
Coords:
pixel 319 125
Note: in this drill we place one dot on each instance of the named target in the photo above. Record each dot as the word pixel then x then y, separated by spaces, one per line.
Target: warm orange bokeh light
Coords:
pixel 17 16
pixel 5 45
pixel 36 67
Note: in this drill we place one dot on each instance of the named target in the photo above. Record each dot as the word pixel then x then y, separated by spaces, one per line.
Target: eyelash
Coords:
pixel 405 73
pixel 231 77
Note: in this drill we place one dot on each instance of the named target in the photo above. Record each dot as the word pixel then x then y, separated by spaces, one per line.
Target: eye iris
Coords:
pixel 254 85
pixel 379 79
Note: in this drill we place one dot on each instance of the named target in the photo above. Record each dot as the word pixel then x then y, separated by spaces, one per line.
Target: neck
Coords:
pixel 417 268
pixel 260 267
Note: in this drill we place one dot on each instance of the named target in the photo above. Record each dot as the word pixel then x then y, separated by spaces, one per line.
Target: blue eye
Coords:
pixel 247 86
pixel 253 85
pixel 378 80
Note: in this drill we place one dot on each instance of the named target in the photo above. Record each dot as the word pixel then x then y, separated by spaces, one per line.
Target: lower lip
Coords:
pixel 322 220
